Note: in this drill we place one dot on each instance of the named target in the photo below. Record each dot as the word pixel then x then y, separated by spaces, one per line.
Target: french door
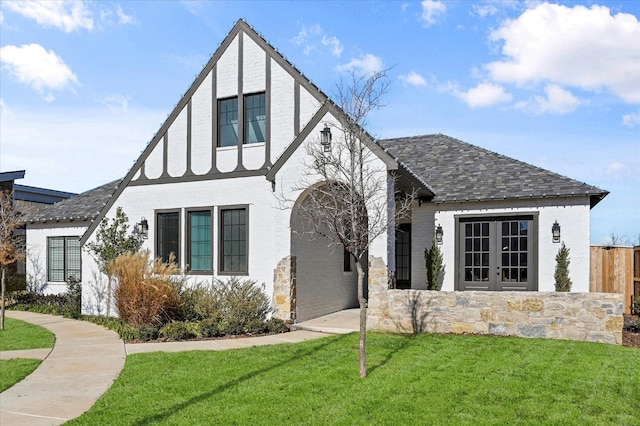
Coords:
pixel 497 254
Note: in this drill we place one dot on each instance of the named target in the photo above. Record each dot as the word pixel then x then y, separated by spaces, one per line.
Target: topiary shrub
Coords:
pixel 276 325
pixel 435 269
pixel 179 330
pixel 561 275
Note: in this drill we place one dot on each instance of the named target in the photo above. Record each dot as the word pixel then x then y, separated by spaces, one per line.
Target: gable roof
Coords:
pixel 85 206
pixel 459 171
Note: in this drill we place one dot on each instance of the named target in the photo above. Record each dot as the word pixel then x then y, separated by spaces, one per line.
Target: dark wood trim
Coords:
pixel 240 165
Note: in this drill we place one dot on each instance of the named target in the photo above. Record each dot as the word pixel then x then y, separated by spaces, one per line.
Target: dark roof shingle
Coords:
pixel 85 206
pixel 459 171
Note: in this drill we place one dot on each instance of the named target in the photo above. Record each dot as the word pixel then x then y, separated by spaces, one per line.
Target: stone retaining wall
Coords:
pixel 593 317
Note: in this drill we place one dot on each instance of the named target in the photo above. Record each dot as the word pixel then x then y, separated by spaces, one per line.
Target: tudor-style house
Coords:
pixel 205 188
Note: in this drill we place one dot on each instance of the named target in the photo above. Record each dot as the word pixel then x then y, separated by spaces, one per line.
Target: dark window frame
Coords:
pixel 188 241
pixel 246 116
pixel 158 253
pixel 65 260
pixel 221 236
pixel 219 121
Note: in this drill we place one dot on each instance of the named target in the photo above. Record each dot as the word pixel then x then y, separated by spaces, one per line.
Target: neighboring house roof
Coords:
pixel 39 195
pixel 11 176
pixel 85 206
pixel 459 171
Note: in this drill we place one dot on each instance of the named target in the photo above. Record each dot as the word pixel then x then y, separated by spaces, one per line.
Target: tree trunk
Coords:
pixel 108 295
pixel 363 320
pixel 4 285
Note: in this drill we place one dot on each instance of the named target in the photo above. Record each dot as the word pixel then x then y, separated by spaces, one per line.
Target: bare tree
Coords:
pixel 349 200
pixel 10 247
pixel 616 239
pixel 37 279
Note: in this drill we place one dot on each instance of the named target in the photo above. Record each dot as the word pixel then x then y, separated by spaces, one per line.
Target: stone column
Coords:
pixel 284 290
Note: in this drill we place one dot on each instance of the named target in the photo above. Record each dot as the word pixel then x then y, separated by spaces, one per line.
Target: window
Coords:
pixel 168 236
pixel 255 118
pixel 233 241
pixel 346 261
pixel 228 122
pixel 63 258
pixel 199 241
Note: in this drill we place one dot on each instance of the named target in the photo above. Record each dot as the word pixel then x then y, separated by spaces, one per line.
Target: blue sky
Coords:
pixel 85 85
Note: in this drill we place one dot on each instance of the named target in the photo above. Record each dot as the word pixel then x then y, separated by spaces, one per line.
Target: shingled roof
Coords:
pixel 85 206
pixel 459 171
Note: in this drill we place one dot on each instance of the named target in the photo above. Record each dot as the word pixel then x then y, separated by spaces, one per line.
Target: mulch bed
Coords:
pixel 630 338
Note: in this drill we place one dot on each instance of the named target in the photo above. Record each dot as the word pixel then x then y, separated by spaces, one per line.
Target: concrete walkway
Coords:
pixel 83 364
pixel 87 358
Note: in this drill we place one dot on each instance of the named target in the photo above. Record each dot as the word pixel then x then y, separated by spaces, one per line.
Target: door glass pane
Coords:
pixel 485 229
pixel 524 227
pixel 468 230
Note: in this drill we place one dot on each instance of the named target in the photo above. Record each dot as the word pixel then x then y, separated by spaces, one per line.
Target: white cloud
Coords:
pixel 334 44
pixel 32 64
pixel 1 17
pixel 485 94
pixel 66 15
pixel 557 101
pixel 306 32
pixel 631 119
pixel 366 64
pixel 618 170
pixel 117 102
pixel 123 18
pixel 432 10
pixel 413 79
pixel 484 10
pixel 581 47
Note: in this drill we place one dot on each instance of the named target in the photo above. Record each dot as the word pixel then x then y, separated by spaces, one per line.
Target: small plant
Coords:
pixel 276 325
pixel 561 275
pixel 435 269
pixel 210 327
pixel 73 297
pixel 179 330
pixel 635 306
pixel 147 332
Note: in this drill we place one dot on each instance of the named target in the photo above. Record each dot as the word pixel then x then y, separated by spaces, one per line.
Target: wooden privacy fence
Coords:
pixel 616 270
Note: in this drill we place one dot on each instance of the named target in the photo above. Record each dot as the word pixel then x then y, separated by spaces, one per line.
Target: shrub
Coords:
pixel 200 301
pixel 435 269
pixel 276 325
pixel 635 306
pixel 210 327
pixel 256 326
pixel 179 330
pixel 73 296
pixel 147 332
pixel 147 292
pixel 232 327
pixel 242 301
pixel 561 275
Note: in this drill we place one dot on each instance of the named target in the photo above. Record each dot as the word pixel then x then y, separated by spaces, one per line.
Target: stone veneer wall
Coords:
pixel 284 290
pixel 593 317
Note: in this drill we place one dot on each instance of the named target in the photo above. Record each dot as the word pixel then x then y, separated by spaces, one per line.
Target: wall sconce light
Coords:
pixel 555 231
pixel 439 234
pixel 325 138
pixel 142 228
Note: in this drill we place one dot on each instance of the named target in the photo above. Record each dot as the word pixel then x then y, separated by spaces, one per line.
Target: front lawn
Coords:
pixel 15 369
pixel 427 379
pixel 22 335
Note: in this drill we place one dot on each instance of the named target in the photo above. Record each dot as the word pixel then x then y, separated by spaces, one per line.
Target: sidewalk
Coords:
pixel 83 364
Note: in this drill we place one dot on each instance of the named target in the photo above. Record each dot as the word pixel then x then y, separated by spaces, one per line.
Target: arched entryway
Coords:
pixel 326 277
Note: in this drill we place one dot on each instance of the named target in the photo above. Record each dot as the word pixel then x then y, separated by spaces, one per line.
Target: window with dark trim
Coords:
pixel 168 236
pixel 199 236
pixel 63 258
pixel 228 122
pixel 255 118
pixel 233 241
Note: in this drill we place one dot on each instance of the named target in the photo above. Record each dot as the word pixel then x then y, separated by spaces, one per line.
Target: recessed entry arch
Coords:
pixel 326 281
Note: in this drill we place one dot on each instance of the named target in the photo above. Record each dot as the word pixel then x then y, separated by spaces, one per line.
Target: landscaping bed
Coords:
pixel 631 331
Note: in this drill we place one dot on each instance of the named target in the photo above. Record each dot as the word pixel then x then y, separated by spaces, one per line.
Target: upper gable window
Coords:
pixel 255 118
pixel 228 122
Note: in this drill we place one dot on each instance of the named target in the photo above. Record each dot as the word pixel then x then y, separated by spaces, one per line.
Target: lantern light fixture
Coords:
pixel 325 138
pixel 555 231
pixel 439 234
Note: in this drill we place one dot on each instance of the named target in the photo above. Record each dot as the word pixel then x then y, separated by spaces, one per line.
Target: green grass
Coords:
pixel 21 335
pixel 15 369
pixel 428 379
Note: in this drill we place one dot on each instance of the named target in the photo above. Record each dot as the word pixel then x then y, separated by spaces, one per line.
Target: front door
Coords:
pixel 403 256
pixel 497 254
